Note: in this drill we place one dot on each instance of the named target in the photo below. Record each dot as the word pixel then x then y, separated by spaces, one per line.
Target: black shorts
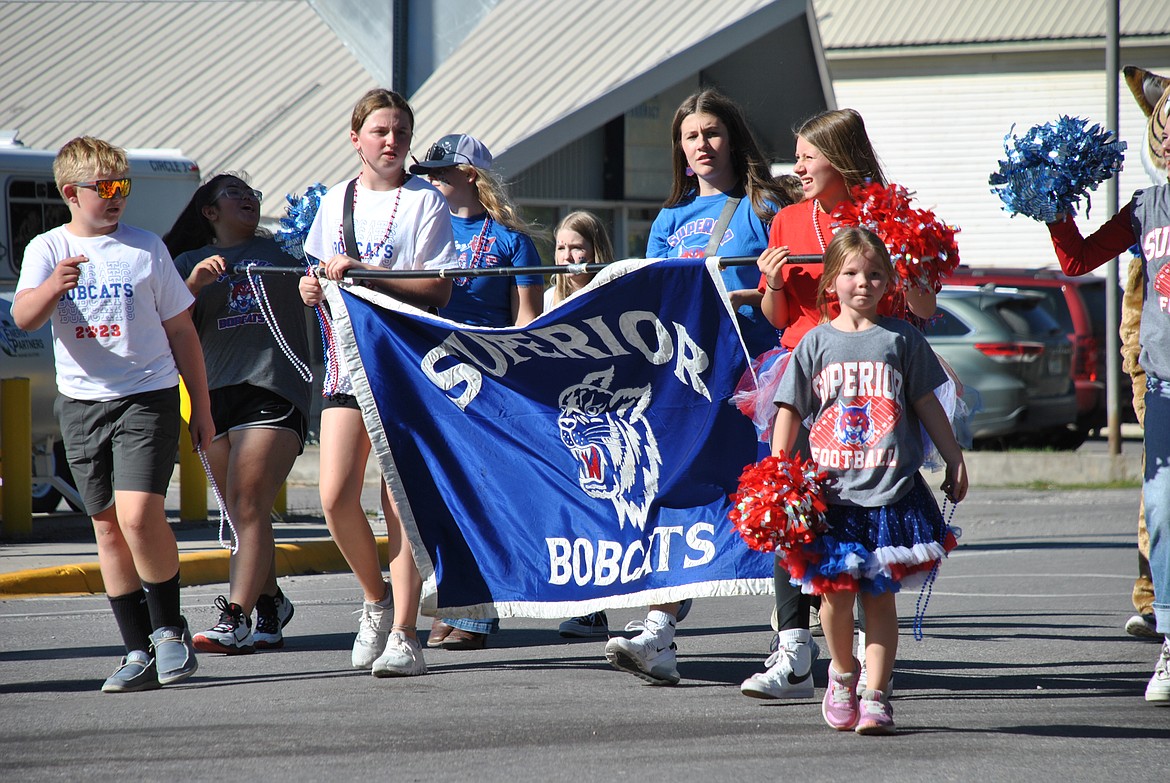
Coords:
pixel 127 444
pixel 244 406
pixel 340 401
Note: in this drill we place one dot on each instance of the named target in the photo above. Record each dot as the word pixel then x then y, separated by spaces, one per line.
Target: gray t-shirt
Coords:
pixel 858 389
pixel 1151 227
pixel 237 344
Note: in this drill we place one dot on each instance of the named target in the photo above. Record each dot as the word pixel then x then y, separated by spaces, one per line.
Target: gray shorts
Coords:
pixel 124 444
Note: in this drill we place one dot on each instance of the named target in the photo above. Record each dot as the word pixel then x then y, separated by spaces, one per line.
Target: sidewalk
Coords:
pixel 61 556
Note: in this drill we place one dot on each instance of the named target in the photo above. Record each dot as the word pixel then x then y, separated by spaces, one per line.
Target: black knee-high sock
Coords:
pixel 163 601
pixel 133 618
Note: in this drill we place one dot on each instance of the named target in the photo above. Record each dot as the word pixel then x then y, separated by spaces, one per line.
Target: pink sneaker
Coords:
pixel 876 714
pixel 840 704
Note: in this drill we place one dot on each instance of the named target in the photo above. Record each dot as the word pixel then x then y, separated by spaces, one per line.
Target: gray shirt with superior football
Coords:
pixel 237 344
pixel 858 388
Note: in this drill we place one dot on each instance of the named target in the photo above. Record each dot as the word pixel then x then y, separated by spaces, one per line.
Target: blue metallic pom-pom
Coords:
pixel 1052 166
pixel 299 214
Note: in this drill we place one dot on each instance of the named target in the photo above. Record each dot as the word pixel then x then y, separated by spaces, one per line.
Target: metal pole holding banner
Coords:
pixel 494 271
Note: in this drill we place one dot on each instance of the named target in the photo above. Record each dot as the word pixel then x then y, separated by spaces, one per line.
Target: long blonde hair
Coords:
pixel 590 227
pixel 494 196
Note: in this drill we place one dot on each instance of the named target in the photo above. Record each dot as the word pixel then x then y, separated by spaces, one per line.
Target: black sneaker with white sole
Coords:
pixel 586 626
pixel 232 635
pixel 272 615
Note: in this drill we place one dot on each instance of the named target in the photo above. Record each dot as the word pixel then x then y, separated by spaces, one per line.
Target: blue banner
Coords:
pixel 582 462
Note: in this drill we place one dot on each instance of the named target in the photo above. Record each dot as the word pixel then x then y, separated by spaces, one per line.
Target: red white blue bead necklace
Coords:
pixel 389 225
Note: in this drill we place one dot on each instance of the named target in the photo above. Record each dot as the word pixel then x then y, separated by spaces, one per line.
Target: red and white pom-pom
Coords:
pixel 922 247
pixel 779 504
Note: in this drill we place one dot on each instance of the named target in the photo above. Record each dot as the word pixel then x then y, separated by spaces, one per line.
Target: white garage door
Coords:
pixel 941 136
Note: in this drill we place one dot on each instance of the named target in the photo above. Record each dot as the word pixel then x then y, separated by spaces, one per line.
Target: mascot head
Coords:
pixel 607 432
pixel 1151 91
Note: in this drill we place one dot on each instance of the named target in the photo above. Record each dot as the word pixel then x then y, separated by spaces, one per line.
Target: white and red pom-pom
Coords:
pixel 922 247
pixel 779 504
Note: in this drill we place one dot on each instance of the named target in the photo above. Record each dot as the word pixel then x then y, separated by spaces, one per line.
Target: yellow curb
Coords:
pixel 195 568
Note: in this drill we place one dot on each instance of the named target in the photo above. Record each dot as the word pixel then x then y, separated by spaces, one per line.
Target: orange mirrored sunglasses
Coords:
pixel 108 188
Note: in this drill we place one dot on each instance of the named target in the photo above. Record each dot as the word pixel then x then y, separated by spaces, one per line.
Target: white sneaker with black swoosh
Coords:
pixel 651 655
pixel 789 674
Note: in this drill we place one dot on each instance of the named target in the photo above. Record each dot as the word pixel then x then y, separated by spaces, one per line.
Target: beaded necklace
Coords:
pixel 817 225
pixel 257 283
pixel 480 248
pixel 385 236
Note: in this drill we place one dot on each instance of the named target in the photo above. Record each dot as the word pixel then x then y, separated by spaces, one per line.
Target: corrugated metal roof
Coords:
pixel 532 77
pixel 263 86
pixel 865 24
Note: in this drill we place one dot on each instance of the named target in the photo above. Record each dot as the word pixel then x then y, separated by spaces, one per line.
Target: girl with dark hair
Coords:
pixel 718 166
pixel 720 204
pixel 259 400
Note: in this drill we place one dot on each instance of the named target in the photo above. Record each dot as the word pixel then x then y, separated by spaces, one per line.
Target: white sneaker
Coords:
pixel 1142 626
pixel 861 677
pixel 651 655
pixel 1159 688
pixel 789 674
pixel 403 657
pixel 373 629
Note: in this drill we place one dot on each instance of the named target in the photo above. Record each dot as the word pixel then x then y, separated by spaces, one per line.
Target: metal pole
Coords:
pixel 495 271
pixel 1112 310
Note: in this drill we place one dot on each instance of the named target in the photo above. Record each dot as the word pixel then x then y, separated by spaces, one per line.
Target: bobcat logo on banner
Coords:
pixel 609 436
pixel 579 463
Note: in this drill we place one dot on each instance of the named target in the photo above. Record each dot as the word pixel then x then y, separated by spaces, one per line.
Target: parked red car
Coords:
pixel 1078 305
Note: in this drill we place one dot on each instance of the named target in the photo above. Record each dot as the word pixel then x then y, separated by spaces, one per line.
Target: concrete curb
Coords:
pixel 985 469
pixel 1016 468
pixel 195 568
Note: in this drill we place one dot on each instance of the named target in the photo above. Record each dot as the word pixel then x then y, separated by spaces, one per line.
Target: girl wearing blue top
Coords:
pixel 489 232
pixel 715 158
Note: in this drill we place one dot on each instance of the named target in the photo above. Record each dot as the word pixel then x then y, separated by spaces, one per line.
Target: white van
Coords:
pixel 163 181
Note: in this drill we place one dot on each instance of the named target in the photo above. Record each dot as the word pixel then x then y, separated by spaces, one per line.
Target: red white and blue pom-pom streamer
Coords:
pixel 779 504
pixel 922 247
pixel 1052 166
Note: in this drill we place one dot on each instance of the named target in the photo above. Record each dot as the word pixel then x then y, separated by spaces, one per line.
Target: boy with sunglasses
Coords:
pixel 122 334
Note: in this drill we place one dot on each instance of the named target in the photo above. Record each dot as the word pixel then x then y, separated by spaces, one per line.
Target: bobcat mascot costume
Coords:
pixel 1151 92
